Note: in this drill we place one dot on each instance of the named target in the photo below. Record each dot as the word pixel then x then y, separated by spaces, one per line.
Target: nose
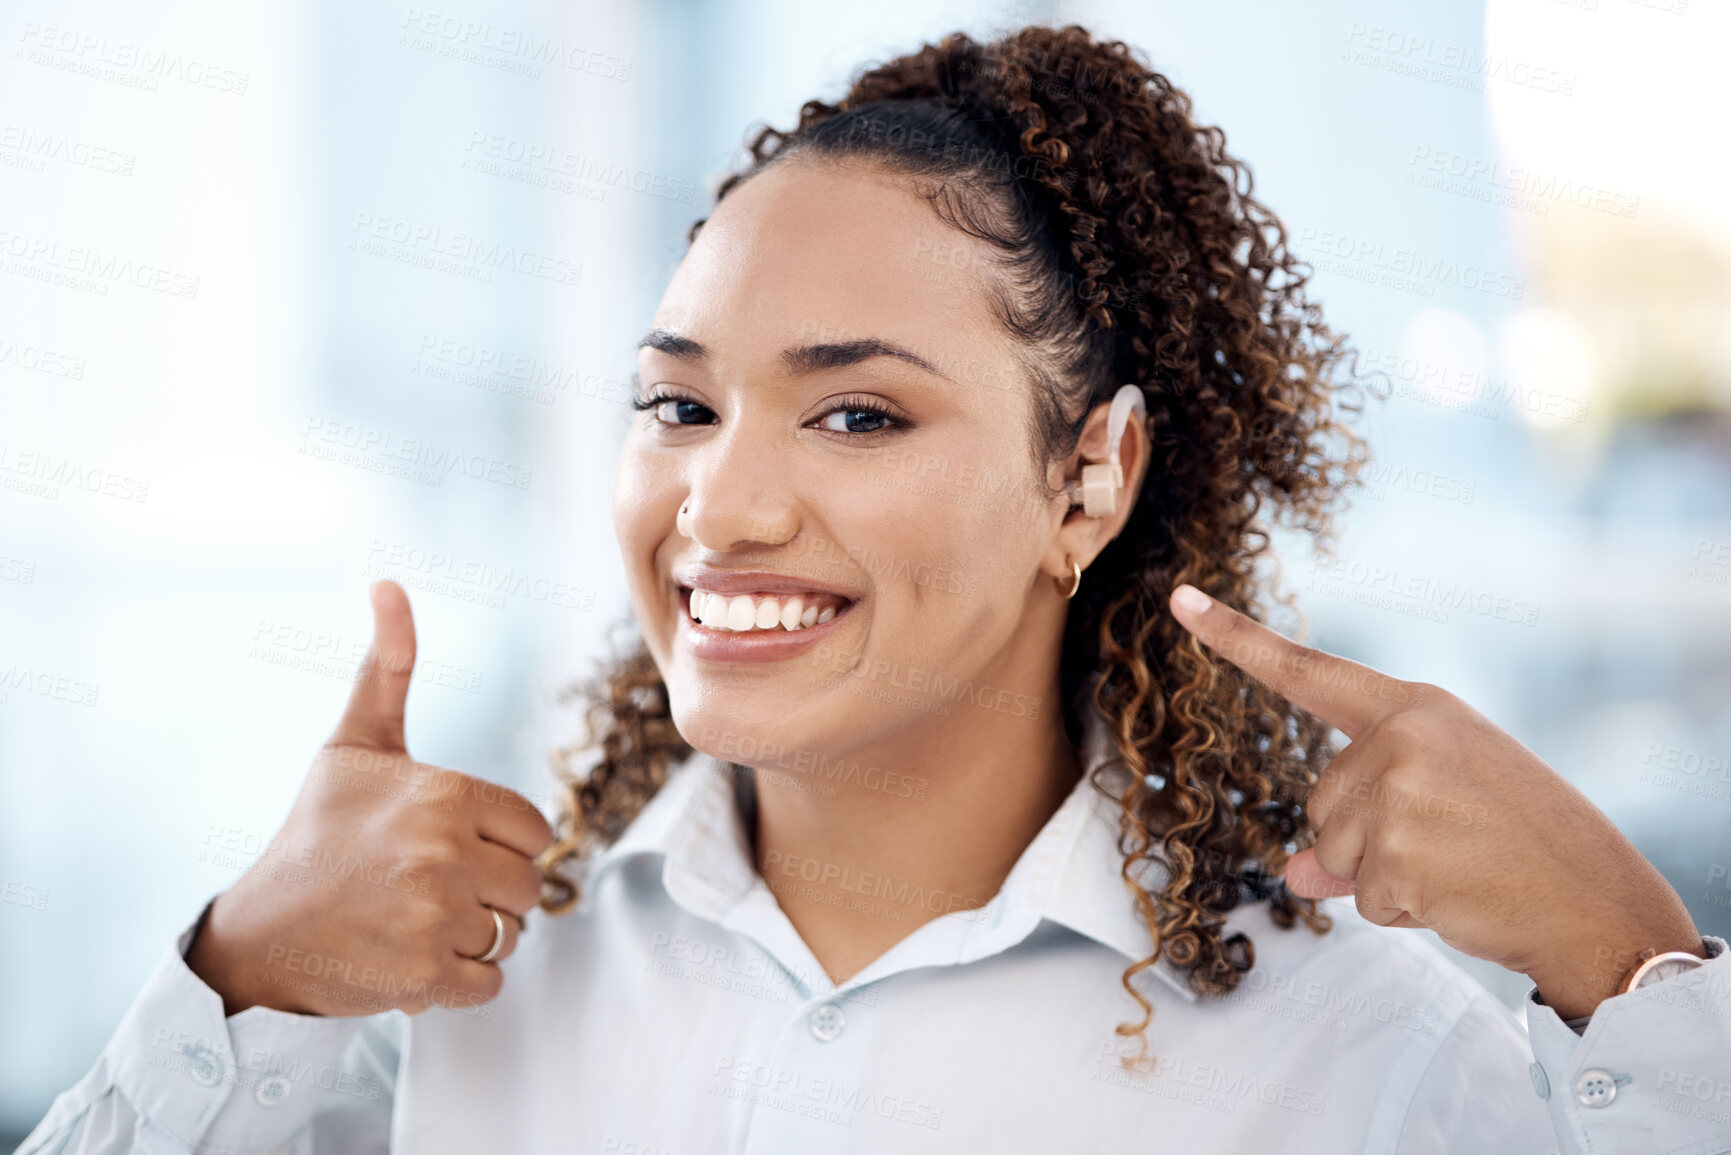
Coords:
pixel 742 493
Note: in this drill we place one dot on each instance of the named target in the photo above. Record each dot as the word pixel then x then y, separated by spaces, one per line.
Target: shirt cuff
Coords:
pixel 1650 1072
pixel 181 1063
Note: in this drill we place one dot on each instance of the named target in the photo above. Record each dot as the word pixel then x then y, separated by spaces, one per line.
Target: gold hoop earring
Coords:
pixel 1075 584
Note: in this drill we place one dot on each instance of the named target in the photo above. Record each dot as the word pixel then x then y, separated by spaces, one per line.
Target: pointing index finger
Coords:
pixel 1348 695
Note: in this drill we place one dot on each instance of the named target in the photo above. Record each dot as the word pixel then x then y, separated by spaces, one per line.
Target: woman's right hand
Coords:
pixel 375 893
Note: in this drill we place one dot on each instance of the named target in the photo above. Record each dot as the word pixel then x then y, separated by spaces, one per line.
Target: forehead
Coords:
pixel 813 250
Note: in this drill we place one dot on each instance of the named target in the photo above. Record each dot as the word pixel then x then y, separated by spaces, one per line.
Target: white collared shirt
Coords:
pixel 676 1011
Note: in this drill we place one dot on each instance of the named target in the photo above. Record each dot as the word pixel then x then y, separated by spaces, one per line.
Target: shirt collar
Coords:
pixel 1071 873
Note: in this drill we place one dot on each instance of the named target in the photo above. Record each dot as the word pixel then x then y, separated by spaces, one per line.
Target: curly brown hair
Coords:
pixel 1132 250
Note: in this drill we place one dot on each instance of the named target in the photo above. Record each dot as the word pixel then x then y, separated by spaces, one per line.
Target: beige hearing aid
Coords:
pixel 1098 489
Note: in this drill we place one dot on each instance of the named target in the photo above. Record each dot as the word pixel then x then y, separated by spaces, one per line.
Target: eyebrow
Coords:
pixel 802 358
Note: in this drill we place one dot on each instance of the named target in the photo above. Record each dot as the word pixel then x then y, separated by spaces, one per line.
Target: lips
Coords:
pixel 733 619
pixel 712 579
pixel 820 613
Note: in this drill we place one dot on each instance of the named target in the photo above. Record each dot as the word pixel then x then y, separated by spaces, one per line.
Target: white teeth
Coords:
pixel 743 612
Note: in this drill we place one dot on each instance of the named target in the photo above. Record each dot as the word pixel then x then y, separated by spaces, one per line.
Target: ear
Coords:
pixel 1078 535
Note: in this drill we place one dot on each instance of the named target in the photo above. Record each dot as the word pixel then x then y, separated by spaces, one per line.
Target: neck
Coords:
pixel 933 822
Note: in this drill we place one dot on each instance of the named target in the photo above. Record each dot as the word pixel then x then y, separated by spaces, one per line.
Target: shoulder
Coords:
pixel 1436 1036
pixel 1442 1032
pixel 1382 989
pixel 1393 976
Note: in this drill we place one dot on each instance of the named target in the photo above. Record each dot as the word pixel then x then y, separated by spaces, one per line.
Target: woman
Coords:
pixel 956 799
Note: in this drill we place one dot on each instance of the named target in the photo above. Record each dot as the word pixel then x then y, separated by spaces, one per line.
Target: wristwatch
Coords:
pixel 1651 967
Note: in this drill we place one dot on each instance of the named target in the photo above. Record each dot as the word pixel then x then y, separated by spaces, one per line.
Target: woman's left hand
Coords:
pixel 1433 817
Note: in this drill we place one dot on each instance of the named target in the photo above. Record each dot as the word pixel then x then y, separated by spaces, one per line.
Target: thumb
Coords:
pixel 374 717
pixel 1306 878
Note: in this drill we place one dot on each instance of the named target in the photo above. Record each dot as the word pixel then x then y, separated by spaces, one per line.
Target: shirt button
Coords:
pixel 827 1022
pixel 202 1066
pixel 1595 1088
pixel 1541 1083
pixel 272 1090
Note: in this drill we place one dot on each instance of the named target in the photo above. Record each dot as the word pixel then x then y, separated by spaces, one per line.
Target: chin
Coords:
pixel 737 735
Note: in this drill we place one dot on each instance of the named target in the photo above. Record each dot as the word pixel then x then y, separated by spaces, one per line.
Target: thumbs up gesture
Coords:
pixel 1433 817
pixel 390 881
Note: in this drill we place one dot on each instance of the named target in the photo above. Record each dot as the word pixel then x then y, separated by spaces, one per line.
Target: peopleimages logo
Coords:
pixel 42 474
pixel 897 894
pixel 587 169
pixel 762 755
pixel 40 360
pixel 57 686
pixel 1232 1086
pixel 137 65
pixel 1390 587
pixel 1454 65
pixel 1405 268
pixel 930 683
pixel 469 579
pixel 330 976
pixel 88 268
pixel 383 446
pixel 421 244
pixel 1515 186
pixel 36 148
pixel 825 1099
pixel 504 48
pixel 232 847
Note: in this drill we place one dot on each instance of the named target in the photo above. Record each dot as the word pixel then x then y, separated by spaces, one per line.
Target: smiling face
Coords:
pixel 837 459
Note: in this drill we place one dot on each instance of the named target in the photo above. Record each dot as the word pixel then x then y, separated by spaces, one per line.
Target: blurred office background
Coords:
pixel 249 261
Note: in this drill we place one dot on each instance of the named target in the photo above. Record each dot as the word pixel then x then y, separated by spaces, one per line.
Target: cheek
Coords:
pixel 640 493
pixel 646 497
pixel 944 547
pixel 994 553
